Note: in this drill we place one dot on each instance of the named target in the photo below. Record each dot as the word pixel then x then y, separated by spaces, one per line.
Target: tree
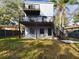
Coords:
pixel 60 18
pixel 11 10
pixel 72 1
pixel 53 1
pixel 76 17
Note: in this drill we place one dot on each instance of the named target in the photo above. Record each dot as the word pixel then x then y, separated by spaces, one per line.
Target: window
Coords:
pixel 32 31
pixel 49 32
pixel 31 19
pixel 31 7
pixel 41 31
pixel 44 18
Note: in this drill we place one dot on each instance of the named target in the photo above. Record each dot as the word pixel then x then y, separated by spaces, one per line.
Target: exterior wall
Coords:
pixel 46 9
pixel 39 36
pixel 28 35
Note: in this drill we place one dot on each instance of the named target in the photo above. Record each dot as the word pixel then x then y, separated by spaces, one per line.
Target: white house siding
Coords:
pixel 28 35
pixel 39 36
pixel 46 9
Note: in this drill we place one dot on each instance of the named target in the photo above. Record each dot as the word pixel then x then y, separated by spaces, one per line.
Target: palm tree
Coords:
pixel 76 17
pixel 61 16
pixel 62 13
pixel 73 1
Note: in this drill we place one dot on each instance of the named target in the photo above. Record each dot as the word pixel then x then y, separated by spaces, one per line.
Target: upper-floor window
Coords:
pixel 32 6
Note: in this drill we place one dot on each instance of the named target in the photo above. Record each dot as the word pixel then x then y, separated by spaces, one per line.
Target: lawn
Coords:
pixel 12 48
pixel 74 39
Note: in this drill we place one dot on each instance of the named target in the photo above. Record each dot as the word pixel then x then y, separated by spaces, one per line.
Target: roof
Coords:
pixel 39 0
pixel 36 1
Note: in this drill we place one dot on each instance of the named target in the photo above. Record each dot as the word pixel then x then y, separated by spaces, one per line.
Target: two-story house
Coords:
pixel 38 20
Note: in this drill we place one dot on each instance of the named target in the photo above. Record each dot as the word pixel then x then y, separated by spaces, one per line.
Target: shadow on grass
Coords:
pixel 31 49
pixel 70 38
pixel 68 55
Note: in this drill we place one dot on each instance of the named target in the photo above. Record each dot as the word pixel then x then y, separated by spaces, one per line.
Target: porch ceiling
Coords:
pixel 34 24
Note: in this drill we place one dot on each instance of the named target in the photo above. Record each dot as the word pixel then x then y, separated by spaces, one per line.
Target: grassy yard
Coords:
pixel 74 39
pixel 12 48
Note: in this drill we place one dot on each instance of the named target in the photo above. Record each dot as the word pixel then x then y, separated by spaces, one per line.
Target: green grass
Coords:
pixel 14 48
pixel 77 45
pixel 75 39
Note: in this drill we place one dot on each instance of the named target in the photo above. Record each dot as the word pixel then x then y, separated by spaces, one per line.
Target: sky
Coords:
pixel 38 0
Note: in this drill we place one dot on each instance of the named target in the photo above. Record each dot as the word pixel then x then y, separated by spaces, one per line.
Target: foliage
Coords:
pixel 76 17
pixel 65 1
pixel 53 1
pixel 10 10
pixel 60 18
pixel 72 1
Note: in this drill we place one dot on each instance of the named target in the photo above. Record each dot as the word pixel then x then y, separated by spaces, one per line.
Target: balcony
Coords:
pixel 34 24
pixel 38 19
pixel 42 21
pixel 32 10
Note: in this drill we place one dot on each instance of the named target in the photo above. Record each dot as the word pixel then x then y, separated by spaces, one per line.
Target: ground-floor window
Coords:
pixel 49 31
pixel 42 31
pixel 32 31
